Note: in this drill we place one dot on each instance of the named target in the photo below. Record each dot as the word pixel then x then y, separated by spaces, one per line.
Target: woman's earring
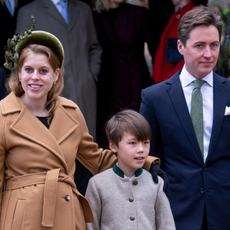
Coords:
pixel 19 79
pixel 55 82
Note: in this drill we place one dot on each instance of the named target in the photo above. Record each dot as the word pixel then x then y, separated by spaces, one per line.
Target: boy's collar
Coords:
pixel 120 173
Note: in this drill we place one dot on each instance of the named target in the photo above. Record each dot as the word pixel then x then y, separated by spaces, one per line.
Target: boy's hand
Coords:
pixel 157 171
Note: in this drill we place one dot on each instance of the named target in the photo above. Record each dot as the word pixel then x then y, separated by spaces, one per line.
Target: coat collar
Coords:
pixel 73 12
pixel 63 124
pixel 120 173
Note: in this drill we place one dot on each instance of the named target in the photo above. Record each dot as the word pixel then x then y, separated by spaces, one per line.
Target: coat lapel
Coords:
pixel 219 104
pixel 176 94
pixel 62 130
pixel 52 11
pixel 73 12
pixel 37 132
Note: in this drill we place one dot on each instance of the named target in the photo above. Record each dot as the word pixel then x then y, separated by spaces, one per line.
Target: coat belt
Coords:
pixel 50 179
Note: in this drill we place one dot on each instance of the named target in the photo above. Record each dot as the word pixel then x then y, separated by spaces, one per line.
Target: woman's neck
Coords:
pixel 36 107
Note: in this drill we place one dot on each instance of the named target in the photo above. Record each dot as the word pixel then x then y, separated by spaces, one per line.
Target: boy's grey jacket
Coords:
pixel 128 204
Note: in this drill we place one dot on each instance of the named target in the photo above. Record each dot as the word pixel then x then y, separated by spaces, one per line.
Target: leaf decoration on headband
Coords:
pixel 11 55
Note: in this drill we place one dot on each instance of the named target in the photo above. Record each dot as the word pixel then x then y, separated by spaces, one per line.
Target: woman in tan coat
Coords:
pixel 40 136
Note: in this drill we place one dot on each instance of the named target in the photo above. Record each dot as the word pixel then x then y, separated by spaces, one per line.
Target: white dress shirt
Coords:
pixel 207 95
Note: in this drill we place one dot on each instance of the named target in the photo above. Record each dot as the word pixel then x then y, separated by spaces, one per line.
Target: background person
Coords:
pixel 194 148
pixel 3 91
pixel 8 17
pixel 122 30
pixel 168 60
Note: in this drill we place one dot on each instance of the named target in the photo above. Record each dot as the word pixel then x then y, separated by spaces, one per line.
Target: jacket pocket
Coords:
pixel 18 214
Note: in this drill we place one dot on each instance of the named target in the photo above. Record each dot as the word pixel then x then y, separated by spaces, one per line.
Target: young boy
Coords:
pixel 125 197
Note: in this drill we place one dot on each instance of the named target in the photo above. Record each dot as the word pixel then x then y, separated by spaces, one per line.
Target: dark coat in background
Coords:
pixel 122 33
pixel 8 26
pixel 3 91
pixel 160 11
pixel 168 59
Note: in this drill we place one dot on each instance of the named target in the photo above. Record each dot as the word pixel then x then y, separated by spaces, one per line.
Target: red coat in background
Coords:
pixel 122 33
pixel 163 70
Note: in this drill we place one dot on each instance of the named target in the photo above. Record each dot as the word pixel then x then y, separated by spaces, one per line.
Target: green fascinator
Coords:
pixel 20 41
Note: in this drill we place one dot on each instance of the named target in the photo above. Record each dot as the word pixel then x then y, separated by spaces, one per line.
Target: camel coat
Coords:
pixel 37 167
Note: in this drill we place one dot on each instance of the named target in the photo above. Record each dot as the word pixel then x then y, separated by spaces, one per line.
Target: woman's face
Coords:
pixel 37 78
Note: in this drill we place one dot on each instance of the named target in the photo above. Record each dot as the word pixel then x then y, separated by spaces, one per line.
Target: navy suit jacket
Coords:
pixel 194 185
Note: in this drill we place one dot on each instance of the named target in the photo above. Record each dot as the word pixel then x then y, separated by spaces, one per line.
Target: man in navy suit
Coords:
pixel 199 177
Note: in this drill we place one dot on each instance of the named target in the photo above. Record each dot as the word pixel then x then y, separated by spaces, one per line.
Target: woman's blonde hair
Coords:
pixel 15 85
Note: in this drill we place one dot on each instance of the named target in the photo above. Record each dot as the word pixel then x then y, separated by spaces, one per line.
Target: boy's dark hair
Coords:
pixel 127 121
pixel 198 16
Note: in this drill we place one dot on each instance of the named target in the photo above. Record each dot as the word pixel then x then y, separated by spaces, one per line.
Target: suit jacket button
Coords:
pixel 131 199
pixel 132 218
pixel 205 168
pixel 67 197
pixel 135 182
pixel 202 190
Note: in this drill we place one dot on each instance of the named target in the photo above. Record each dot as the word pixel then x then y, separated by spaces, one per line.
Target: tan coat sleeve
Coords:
pixel 96 159
pixel 2 156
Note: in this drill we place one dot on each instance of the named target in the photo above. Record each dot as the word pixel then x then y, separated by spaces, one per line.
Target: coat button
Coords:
pixel 202 190
pixel 131 199
pixel 135 182
pixel 205 168
pixel 67 197
pixel 132 218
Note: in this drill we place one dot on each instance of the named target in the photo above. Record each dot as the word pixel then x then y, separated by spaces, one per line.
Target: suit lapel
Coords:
pixel 219 104
pixel 52 11
pixel 73 12
pixel 176 94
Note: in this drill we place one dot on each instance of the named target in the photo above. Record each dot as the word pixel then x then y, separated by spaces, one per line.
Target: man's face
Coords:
pixel 201 50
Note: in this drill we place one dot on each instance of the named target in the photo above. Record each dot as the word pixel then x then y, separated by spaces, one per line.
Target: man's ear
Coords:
pixel 180 47
pixel 112 147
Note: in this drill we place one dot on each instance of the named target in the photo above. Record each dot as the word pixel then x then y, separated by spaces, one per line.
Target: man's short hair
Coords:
pixel 127 121
pixel 198 16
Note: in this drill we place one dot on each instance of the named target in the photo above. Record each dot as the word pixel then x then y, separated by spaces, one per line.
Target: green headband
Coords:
pixel 20 41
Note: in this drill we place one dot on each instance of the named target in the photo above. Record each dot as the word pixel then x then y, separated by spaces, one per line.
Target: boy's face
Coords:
pixel 131 153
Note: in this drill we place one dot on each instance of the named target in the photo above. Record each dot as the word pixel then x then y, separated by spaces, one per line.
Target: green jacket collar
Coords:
pixel 120 173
